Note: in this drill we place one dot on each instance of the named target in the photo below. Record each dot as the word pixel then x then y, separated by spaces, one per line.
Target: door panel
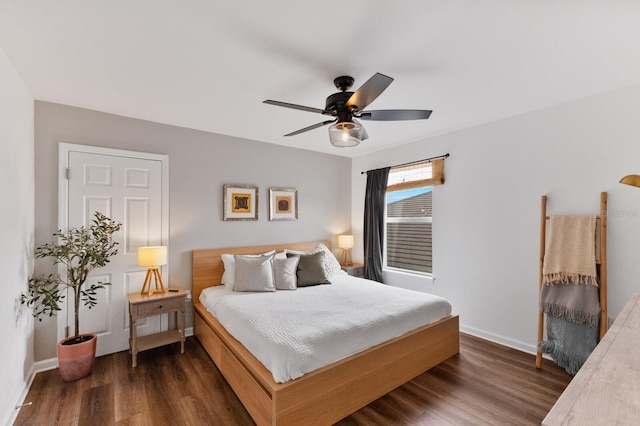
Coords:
pixel 129 190
pixel 137 224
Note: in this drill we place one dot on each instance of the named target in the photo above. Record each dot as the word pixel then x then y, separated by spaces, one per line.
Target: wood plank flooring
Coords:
pixel 486 384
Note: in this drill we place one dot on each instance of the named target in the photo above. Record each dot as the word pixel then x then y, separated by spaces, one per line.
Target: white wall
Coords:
pixel 487 215
pixel 199 164
pixel 16 244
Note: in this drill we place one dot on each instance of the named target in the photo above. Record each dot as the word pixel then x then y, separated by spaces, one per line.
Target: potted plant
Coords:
pixel 80 250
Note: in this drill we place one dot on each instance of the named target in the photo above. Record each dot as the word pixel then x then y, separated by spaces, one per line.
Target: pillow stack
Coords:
pixel 282 271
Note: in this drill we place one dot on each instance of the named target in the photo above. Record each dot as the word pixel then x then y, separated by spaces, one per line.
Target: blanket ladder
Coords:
pixel 601 264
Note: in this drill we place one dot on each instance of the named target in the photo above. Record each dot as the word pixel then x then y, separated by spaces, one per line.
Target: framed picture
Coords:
pixel 240 202
pixel 283 204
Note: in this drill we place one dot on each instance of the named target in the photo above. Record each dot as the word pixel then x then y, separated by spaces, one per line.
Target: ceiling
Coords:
pixel 208 65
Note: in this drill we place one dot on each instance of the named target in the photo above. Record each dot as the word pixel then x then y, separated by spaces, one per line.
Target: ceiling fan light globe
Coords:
pixel 346 134
pixel 346 143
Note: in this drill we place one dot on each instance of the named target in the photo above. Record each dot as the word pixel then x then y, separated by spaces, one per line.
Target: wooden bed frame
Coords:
pixel 326 395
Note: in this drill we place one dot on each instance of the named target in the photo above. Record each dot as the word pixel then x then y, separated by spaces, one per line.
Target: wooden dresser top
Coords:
pixel 606 390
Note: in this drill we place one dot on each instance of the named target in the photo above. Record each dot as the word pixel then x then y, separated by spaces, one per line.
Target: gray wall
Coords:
pixel 16 243
pixel 199 164
pixel 486 217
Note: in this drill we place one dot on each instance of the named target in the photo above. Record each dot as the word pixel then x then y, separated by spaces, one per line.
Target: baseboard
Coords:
pixel 501 340
pixel 10 417
pixel 45 365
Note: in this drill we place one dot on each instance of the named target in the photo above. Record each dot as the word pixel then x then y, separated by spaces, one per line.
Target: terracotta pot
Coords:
pixel 76 360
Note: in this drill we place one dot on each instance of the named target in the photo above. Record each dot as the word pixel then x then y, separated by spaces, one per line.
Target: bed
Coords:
pixel 327 394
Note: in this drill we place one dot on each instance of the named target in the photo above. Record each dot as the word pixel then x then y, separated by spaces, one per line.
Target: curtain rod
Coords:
pixel 414 162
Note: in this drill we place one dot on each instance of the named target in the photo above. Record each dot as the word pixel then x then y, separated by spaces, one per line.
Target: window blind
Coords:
pixel 417 175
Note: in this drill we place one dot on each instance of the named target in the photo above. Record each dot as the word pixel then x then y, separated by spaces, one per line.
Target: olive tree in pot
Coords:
pixel 80 250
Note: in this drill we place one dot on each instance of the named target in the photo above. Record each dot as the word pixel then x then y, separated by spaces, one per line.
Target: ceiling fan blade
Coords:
pixel 298 107
pixel 314 126
pixel 395 114
pixel 369 91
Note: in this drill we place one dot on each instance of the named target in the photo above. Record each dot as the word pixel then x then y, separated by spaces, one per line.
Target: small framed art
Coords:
pixel 240 202
pixel 283 204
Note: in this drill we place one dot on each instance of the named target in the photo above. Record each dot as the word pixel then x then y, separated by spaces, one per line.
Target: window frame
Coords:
pixel 409 182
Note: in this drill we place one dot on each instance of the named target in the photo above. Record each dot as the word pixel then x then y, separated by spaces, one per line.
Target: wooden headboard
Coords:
pixel 208 267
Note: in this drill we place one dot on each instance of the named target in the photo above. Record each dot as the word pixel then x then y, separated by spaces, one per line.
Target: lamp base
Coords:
pixel 152 272
pixel 345 260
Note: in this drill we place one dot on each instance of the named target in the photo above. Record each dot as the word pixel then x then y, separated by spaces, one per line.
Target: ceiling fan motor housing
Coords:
pixel 338 103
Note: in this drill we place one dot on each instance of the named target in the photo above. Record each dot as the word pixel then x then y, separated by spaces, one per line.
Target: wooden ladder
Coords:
pixel 601 263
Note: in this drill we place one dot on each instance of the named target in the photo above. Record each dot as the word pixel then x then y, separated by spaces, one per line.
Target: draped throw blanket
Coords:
pixel 568 343
pixel 570 256
pixel 577 303
pixel 569 294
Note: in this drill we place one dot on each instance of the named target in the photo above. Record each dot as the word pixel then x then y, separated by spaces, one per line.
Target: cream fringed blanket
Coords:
pixel 570 256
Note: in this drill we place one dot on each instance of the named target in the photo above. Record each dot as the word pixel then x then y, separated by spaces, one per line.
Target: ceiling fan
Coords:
pixel 346 107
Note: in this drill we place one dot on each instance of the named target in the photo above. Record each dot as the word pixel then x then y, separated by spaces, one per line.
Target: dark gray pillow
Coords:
pixel 311 269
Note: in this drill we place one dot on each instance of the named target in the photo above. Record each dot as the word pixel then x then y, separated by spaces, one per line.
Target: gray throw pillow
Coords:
pixel 330 264
pixel 285 273
pixel 253 274
pixel 311 269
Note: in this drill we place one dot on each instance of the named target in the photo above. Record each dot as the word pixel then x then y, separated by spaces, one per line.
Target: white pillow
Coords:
pixel 330 264
pixel 284 273
pixel 253 274
pixel 228 277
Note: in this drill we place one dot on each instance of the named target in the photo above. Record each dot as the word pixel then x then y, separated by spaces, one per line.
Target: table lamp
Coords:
pixel 153 257
pixel 346 243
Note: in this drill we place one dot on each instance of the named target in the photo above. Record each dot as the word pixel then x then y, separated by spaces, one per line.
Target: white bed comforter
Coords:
pixel 295 332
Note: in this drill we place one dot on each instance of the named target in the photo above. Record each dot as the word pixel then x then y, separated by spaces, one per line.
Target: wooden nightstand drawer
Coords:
pixel 158 307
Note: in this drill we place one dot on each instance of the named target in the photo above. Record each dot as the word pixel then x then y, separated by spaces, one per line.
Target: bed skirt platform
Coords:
pixel 331 393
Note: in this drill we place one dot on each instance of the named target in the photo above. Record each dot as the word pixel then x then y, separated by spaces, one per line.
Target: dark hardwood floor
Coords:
pixel 486 384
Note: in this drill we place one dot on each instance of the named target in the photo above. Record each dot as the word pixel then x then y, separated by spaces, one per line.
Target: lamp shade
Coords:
pixel 346 241
pixel 633 180
pixel 345 134
pixel 152 256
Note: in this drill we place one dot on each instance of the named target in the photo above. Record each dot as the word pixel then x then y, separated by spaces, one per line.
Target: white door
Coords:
pixel 130 188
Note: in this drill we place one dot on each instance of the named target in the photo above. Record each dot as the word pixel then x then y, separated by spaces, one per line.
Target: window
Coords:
pixel 409 221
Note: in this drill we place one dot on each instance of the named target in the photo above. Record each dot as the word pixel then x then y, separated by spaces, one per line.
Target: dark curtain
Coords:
pixel 374 204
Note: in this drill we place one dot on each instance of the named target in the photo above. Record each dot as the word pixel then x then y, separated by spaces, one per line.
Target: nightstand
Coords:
pixel 356 270
pixel 142 306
